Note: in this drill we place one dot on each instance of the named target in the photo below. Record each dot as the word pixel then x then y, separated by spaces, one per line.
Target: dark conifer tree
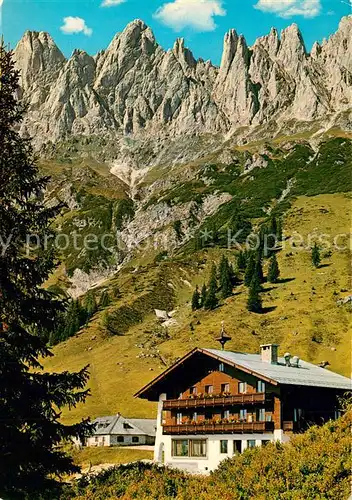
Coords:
pixel 203 295
pixel 279 230
pixel 30 399
pixel 254 302
pixel 273 271
pixel 241 261
pixel 211 300
pixel 258 269
pixel 316 256
pixel 104 300
pixel 195 300
pixel 90 304
pixel 250 269
pixel 225 278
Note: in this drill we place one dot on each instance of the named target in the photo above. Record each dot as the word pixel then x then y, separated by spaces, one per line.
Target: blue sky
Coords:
pixel 90 25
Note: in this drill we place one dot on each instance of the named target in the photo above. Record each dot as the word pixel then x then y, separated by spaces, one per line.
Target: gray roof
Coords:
pixel 306 374
pixel 119 425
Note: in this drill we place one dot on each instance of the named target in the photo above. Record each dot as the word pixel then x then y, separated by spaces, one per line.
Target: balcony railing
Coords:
pixel 214 428
pixel 196 402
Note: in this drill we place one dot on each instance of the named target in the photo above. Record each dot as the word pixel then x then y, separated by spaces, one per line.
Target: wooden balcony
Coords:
pixel 214 428
pixel 238 399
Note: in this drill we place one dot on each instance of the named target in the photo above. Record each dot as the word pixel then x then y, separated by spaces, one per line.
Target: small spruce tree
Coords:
pixel 104 300
pixel 225 278
pixel 196 300
pixel 241 261
pixel 211 300
pixel 273 271
pixel 316 256
pixel 279 230
pixel 90 304
pixel 254 302
pixel 203 295
pixel 258 269
pixel 250 269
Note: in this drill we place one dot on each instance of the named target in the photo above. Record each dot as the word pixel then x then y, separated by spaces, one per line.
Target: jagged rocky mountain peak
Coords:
pixel 135 86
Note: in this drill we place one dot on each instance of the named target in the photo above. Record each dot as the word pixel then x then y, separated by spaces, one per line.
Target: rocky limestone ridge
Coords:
pixel 136 88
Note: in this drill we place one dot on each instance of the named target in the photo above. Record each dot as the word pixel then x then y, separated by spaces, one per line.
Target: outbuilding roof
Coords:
pixel 119 425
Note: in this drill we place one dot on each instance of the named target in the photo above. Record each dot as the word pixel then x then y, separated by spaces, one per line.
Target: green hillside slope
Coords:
pixel 303 315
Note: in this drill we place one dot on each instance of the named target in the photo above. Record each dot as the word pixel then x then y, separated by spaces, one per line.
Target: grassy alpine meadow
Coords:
pixel 91 456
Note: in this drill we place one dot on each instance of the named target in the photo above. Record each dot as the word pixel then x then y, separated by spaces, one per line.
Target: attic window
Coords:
pixel 127 426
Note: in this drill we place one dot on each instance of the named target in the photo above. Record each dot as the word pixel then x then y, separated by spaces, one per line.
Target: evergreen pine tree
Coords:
pixel 30 399
pixel 203 295
pixel 279 230
pixel 250 269
pixel 254 302
pixel 211 300
pixel 196 300
pixel 273 271
pixel 225 278
pixel 90 304
pixel 104 300
pixel 241 261
pixel 258 269
pixel 316 256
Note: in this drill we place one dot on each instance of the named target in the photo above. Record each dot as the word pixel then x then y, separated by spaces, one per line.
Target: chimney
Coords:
pixel 269 353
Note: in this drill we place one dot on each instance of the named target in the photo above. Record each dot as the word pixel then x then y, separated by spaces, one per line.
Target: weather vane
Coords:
pixel 223 336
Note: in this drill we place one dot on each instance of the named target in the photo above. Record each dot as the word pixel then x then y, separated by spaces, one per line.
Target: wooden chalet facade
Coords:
pixel 213 404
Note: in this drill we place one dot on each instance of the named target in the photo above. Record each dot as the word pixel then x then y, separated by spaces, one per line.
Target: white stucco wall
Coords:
pixel 163 446
pixel 214 455
pixel 113 441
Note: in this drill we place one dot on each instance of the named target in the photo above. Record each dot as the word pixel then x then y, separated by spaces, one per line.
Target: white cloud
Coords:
pixel 112 3
pixel 196 14
pixel 75 25
pixel 289 8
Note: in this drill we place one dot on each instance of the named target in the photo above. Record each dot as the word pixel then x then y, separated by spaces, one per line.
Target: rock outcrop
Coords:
pixel 134 87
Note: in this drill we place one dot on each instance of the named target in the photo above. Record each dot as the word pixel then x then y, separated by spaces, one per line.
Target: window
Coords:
pixel 260 386
pixel 135 439
pixel 297 414
pixel 96 439
pixel 221 367
pixel 265 442
pixel 193 390
pixel 178 418
pixel 243 414
pixel 237 446
pixel 195 416
pixel 189 448
pixel 209 389
pixel 226 414
pixel 120 439
pixel 251 443
pixel 242 387
pixel 127 426
pixel 223 446
pixel 260 414
pixel 225 387
pixel 180 448
pixel 198 447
